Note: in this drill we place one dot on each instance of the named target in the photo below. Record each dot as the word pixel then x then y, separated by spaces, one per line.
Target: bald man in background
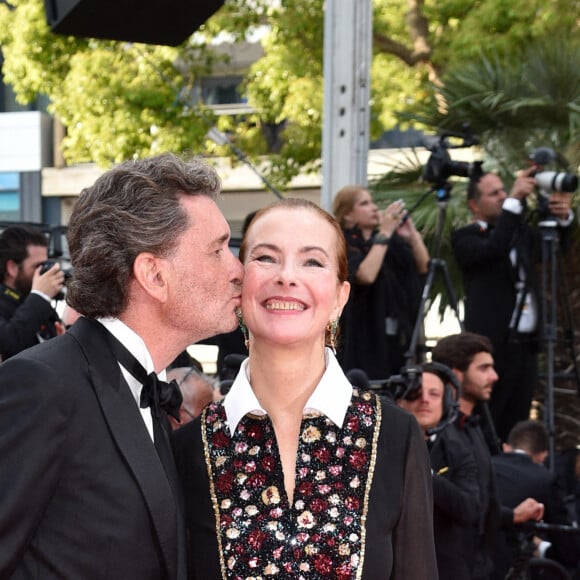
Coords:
pixel 197 392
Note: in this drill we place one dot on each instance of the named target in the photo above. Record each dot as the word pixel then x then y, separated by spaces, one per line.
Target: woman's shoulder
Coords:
pixel 191 433
pixel 394 415
pixel 390 412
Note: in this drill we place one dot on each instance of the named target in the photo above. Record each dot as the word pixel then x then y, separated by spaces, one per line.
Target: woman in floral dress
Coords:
pixel 295 474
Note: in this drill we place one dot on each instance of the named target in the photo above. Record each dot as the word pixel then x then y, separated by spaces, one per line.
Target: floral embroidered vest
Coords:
pixel 322 535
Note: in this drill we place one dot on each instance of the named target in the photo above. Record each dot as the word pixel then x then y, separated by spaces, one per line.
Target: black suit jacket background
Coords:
pixel 22 319
pixel 83 493
pixel 489 276
pixel 518 478
pixel 456 502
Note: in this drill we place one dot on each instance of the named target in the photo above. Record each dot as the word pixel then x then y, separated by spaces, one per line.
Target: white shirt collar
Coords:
pixel 136 346
pixel 131 340
pixel 331 397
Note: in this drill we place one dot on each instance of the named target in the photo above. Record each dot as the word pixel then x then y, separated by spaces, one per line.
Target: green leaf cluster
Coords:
pixel 120 100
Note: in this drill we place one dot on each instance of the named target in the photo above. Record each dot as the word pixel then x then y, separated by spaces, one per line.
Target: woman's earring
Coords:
pixel 243 327
pixel 332 329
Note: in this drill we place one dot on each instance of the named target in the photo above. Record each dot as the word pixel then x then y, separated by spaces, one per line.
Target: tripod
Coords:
pixel 550 275
pixel 439 265
pixel 436 265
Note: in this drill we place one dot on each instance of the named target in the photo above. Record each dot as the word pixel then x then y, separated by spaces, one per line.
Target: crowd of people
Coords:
pixel 120 458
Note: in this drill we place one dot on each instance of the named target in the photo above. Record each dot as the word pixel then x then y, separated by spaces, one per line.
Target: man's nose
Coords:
pixel 238 269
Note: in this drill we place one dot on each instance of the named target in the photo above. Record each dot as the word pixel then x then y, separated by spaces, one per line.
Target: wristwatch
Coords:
pixel 381 239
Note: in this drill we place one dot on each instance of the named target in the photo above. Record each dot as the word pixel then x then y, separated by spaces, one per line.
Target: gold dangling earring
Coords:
pixel 332 329
pixel 243 327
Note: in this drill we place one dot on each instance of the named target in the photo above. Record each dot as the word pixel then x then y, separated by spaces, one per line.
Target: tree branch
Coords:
pixel 418 26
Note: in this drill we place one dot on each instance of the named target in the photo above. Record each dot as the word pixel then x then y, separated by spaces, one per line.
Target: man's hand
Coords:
pixel 524 184
pixel 529 509
pixel 49 283
pixel 560 205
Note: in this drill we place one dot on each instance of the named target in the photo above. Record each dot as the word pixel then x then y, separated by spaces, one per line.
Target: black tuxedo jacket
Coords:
pixel 23 319
pixel 488 274
pixel 518 478
pixel 83 493
pixel 456 506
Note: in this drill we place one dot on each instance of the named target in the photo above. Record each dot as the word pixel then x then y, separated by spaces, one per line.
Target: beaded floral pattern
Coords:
pixel 322 534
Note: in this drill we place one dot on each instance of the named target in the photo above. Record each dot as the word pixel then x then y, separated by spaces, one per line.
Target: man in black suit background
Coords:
pixel 497 254
pixel 87 489
pixel 26 313
pixel 469 356
pixel 456 507
pixel 521 473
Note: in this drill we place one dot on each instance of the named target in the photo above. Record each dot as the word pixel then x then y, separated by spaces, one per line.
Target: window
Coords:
pixel 222 90
pixel 9 197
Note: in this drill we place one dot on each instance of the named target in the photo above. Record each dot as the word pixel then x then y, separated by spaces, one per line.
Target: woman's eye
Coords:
pixel 314 262
pixel 264 258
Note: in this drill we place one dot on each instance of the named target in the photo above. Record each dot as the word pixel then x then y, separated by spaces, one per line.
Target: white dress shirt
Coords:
pixel 331 396
pixel 135 345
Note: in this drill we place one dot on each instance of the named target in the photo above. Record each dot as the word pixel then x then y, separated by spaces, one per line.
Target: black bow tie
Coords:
pixel 158 394
pixel 155 393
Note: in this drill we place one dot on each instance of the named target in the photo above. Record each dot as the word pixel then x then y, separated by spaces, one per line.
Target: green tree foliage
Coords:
pixel 120 100
pixel 117 100
pixel 517 100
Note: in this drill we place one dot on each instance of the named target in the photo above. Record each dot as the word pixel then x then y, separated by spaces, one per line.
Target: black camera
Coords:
pixel 47 265
pixel 440 166
pixel 405 385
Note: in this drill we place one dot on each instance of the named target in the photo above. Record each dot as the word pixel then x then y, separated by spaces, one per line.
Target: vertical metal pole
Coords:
pixel 550 321
pixel 347 61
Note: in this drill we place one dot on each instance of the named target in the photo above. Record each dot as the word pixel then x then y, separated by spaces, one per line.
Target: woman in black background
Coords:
pixel 387 261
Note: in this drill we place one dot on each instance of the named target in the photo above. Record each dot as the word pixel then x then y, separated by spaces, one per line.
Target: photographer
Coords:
pixel 469 356
pixel 455 477
pixel 26 314
pixel 387 260
pixel 521 473
pixel 497 253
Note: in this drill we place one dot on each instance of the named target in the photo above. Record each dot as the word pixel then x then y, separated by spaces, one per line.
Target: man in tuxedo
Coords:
pixel 497 253
pixel 521 473
pixel 469 356
pixel 88 486
pixel 455 477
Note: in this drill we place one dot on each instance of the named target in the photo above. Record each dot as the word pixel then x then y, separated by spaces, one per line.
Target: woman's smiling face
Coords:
pixel 291 285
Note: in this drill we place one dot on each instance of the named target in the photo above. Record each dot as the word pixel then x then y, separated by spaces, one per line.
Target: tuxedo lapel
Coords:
pixel 126 425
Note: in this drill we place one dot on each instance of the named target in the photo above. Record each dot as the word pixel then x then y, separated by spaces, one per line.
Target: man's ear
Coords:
pixel 459 374
pixel 472 205
pixel 12 268
pixel 149 272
